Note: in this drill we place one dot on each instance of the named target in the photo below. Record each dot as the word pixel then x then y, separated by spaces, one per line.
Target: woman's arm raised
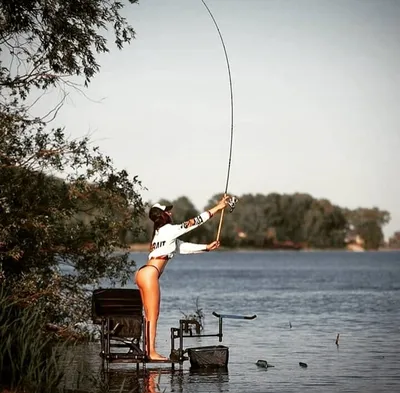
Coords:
pixel 187 226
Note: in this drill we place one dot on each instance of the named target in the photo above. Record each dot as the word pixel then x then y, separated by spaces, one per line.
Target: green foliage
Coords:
pixel 368 224
pixel 41 222
pixel 65 210
pixel 394 241
pixel 62 201
pixel 29 358
pixel 45 41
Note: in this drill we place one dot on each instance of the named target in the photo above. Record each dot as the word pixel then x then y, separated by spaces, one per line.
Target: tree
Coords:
pixel 249 217
pixel 47 42
pixel 394 241
pixel 295 214
pixel 61 200
pixel 368 224
pixel 41 220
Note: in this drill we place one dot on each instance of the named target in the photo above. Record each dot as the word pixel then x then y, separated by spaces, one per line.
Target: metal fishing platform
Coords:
pixel 124 332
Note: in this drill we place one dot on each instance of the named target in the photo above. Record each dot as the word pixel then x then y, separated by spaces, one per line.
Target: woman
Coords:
pixel 164 245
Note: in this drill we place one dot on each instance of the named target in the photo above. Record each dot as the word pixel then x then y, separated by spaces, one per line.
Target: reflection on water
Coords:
pixel 85 372
pixel 159 380
pixel 207 381
pixel 143 381
pixel 128 380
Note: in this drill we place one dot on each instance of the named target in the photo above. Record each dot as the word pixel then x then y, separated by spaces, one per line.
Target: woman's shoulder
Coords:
pixel 171 229
pixel 166 228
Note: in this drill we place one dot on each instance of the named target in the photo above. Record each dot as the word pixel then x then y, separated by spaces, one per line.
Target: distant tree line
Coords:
pixel 283 221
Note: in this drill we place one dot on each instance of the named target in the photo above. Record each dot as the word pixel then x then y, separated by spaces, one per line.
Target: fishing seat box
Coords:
pixel 119 312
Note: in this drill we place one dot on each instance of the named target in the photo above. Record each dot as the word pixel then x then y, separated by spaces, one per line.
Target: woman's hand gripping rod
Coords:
pixel 232 204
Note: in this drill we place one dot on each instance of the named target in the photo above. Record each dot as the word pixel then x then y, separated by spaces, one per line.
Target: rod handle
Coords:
pixel 220 224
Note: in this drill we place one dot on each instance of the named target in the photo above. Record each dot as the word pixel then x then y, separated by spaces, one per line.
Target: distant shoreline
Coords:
pixel 144 247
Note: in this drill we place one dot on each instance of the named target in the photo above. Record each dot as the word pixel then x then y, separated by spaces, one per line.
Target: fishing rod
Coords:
pixel 233 200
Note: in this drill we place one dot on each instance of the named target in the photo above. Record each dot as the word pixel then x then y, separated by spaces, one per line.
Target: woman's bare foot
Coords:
pixel 156 356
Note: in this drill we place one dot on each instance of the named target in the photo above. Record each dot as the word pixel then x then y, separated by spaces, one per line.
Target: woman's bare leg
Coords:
pixel 147 281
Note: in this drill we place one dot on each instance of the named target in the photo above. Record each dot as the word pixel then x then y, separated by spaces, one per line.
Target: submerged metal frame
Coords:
pixel 185 327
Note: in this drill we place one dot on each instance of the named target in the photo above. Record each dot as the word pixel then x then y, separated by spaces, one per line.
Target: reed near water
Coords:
pixel 30 357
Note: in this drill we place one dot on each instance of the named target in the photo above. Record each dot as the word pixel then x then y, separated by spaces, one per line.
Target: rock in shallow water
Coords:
pixel 263 363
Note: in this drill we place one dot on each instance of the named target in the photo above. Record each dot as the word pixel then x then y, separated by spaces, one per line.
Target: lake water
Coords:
pixel 302 301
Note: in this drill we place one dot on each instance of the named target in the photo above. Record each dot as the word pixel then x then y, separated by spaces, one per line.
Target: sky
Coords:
pixel 316 100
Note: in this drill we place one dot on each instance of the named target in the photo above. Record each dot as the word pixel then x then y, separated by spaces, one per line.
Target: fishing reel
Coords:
pixel 232 203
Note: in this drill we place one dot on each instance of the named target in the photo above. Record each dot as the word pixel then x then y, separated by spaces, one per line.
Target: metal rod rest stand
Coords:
pixel 185 331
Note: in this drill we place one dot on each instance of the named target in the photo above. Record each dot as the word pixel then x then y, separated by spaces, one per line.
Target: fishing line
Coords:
pixel 232 111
